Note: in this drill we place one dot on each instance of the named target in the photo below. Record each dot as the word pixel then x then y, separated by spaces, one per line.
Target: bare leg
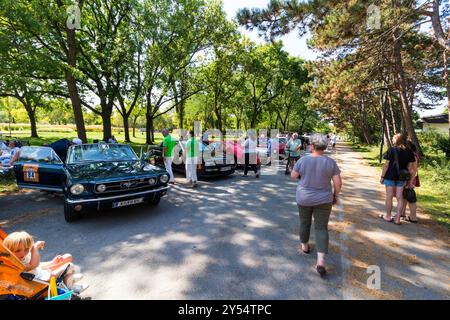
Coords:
pixel 413 211
pixel 404 208
pixel 390 191
pixel 66 258
pixel 321 259
pixel 400 201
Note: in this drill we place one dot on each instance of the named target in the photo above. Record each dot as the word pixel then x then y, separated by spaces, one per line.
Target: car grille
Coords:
pixel 125 185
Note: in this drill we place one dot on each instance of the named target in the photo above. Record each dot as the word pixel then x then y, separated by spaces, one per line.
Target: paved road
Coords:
pixel 232 238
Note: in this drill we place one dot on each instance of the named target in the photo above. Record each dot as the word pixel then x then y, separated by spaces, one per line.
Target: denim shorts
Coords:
pixel 392 183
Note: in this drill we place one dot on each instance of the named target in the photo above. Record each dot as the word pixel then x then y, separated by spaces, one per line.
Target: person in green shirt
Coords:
pixel 293 148
pixel 191 158
pixel 168 146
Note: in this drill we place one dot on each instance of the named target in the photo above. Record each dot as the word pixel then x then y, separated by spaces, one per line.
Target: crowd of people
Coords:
pixel 318 189
pixel 400 177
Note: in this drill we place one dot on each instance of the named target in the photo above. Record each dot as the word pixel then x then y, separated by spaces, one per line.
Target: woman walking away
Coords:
pixel 315 196
pixel 398 171
pixel 410 198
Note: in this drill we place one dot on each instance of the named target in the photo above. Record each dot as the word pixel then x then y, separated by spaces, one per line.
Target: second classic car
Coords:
pixel 94 177
pixel 212 163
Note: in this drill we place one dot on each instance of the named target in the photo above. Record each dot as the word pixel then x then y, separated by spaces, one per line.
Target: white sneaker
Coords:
pixel 79 288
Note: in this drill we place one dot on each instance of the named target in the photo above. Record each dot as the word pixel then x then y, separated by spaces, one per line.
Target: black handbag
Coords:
pixel 403 174
pixel 410 195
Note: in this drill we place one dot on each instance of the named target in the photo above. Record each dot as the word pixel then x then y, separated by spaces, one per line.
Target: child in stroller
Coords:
pixel 22 245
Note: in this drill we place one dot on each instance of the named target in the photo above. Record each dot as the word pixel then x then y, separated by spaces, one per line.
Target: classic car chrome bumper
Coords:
pixel 116 197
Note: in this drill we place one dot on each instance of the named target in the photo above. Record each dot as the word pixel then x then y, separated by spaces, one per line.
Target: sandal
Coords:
pixel 306 251
pixel 381 216
pixel 408 218
pixel 321 271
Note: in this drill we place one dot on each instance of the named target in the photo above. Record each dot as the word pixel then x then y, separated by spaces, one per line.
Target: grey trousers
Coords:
pixel 321 215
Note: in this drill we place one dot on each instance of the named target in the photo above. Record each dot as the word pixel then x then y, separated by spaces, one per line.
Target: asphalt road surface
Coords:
pixel 231 238
pixel 237 238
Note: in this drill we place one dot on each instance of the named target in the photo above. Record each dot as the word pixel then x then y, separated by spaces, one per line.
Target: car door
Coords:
pixel 39 168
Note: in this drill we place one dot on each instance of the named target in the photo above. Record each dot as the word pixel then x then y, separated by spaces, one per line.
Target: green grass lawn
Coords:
pixel 7 184
pixel 48 137
pixel 433 196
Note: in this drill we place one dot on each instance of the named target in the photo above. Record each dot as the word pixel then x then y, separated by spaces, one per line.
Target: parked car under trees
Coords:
pixel 94 177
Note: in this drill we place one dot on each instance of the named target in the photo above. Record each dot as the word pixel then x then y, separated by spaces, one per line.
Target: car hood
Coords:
pixel 111 169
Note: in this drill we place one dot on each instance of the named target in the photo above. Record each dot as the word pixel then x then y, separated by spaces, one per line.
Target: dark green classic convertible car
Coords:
pixel 94 177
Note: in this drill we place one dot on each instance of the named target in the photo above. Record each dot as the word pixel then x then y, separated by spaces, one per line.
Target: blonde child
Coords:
pixel 22 245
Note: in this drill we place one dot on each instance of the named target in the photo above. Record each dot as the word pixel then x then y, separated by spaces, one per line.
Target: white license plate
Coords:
pixel 225 168
pixel 127 203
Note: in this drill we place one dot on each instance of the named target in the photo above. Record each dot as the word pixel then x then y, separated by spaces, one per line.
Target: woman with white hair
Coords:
pixel 315 196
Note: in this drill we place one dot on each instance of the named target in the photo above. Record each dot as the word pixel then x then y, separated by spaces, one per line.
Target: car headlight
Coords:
pixel 164 178
pixel 101 188
pixel 152 181
pixel 76 189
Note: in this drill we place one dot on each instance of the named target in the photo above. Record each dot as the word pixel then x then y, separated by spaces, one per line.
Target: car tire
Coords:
pixel 69 214
pixel 155 201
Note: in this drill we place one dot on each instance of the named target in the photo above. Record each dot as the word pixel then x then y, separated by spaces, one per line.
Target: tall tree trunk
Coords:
pixel 32 117
pixel 126 127
pixel 364 127
pixel 31 112
pixel 386 136
pixel 72 85
pixel 106 119
pixel 148 119
pixel 447 84
pixel 70 79
pixel 391 111
pixel 401 84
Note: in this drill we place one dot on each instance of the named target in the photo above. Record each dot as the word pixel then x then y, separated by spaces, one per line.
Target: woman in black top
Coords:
pixel 398 159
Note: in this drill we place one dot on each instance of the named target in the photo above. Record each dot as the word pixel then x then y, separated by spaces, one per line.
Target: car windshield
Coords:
pixel 38 154
pixel 101 152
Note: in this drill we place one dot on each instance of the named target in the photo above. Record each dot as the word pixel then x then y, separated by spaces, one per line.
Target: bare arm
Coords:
pixel 383 172
pixel 337 183
pixel 412 168
pixel 35 259
pixel 14 158
pixel 295 175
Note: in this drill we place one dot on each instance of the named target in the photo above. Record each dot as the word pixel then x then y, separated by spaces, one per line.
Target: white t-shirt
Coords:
pixel 40 274
pixel 250 146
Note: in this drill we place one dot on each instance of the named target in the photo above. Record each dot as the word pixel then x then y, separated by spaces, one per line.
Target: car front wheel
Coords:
pixel 155 200
pixel 69 214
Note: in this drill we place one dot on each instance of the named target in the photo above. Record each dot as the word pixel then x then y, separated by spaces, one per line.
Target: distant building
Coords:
pixel 438 123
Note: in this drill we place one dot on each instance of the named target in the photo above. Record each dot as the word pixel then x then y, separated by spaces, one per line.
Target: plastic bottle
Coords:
pixel 53 289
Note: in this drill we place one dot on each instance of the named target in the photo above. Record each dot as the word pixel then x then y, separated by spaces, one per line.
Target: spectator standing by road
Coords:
pixel 333 142
pixel 168 146
pixel 293 149
pixel 315 196
pixel 192 159
pixel 398 171
pixel 251 154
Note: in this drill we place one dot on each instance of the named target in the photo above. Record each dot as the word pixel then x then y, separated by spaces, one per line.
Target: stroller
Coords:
pixel 17 284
